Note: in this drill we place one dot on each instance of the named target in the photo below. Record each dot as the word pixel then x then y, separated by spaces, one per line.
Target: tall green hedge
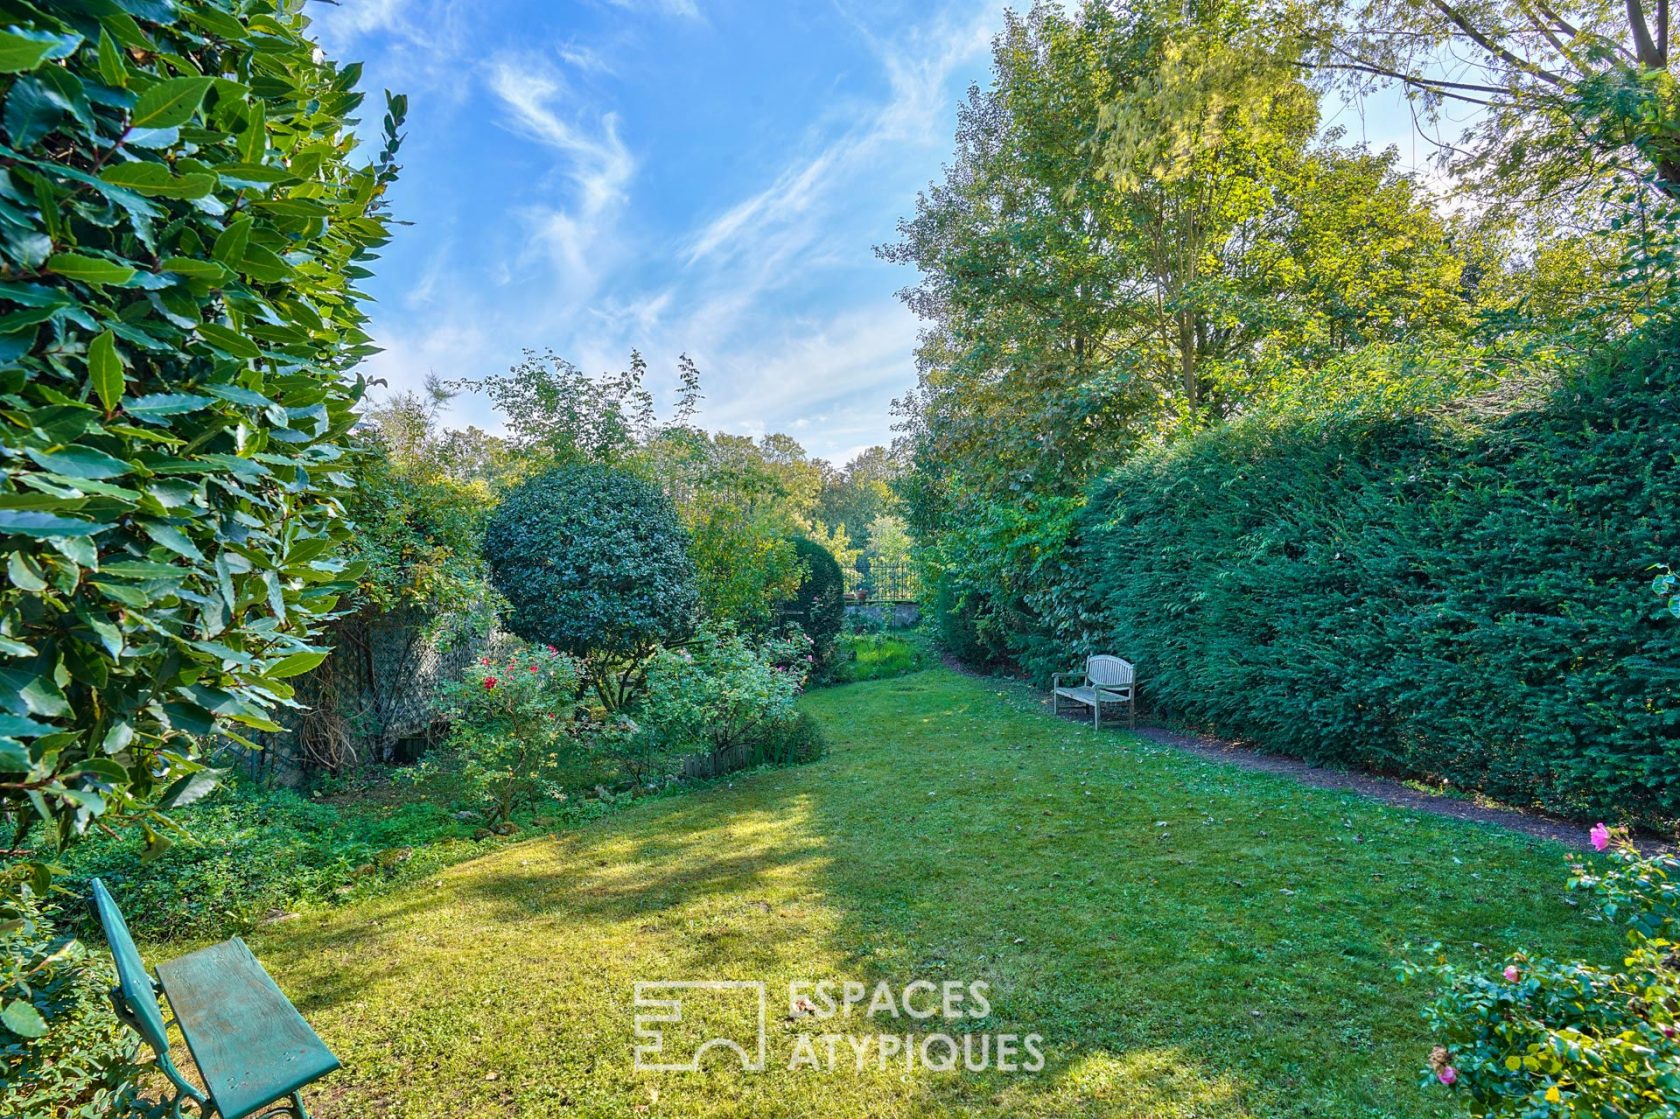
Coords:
pixel 1464 596
pixel 182 226
pixel 819 605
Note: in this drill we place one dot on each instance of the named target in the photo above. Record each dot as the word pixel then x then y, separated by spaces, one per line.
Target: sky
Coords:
pixel 706 177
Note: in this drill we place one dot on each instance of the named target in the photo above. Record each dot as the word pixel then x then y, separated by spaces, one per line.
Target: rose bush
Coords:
pixel 1546 1039
pixel 513 728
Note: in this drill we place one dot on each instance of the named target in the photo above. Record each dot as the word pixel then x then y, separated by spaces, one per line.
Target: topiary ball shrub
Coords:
pixel 594 562
pixel 819 606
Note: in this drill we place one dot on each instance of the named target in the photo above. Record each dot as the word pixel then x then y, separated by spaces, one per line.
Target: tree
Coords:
pixel 740 500
pixel 181 230
pixel 853 497
pixel 593 561
pixel 1568 93
pixel 1139 234
pixel 557 414
pixel 888 541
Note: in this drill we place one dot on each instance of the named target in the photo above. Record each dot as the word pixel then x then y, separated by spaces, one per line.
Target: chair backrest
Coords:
pixel 133 981
pixel 1108 672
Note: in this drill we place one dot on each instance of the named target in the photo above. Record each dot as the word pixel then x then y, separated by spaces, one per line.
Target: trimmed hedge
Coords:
pixel 819 605
pixel 1463 597
pixel 184 217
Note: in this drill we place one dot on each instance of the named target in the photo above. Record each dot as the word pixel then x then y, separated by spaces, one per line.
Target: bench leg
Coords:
pixel 293 1107
pixel 1096 714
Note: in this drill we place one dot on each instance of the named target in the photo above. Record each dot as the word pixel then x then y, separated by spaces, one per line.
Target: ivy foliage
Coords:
pixel 181 228
pixel 593 561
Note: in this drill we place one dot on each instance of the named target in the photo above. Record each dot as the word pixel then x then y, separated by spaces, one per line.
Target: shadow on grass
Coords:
pixel 1186 939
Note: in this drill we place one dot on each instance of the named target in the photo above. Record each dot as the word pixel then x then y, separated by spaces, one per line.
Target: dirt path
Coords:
pixel 1378 788
pixel 1389 791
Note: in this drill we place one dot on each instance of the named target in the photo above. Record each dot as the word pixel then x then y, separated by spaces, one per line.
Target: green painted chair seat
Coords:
pixel 253 1049
pixel 249 1043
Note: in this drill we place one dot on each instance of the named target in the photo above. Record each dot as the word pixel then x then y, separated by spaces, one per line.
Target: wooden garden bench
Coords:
pixel 253 1049
pixel 1105 679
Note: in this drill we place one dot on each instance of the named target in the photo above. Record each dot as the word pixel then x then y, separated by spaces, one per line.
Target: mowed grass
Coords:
pixel 1188 939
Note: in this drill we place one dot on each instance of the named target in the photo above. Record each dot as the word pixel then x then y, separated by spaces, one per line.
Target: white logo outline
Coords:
pixel 670 1010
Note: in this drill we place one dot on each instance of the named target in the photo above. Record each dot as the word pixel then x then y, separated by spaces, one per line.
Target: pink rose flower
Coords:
pixel 489 683
pixel 1600 837
pixel 533 668
pixel 1511 973
pixel 1448 1075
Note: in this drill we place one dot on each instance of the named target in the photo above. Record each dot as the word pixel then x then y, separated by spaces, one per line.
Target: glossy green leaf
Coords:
pixel 80 462
pixel 20 52
pixel 25 522
pixel 23 1019
pixel 105 370
pixel 169 102
pixel 156 179
pixel 297 664
pixel 89 269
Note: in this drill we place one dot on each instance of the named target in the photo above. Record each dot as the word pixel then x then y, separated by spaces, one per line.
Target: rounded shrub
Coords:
pixel 819 605
pixel 594 562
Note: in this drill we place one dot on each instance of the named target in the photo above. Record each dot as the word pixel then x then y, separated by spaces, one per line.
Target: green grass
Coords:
pixel 880 656
pixel 1189 939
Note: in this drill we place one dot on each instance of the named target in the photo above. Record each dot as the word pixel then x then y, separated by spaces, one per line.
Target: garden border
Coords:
pixel 1391 792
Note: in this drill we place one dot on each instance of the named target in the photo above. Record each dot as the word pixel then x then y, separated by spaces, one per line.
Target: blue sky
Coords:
pixel 700 176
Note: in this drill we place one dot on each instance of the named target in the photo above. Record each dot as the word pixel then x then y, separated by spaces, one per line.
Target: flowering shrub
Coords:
pixel 722 691
pixel 512 723
pixel 1544 1038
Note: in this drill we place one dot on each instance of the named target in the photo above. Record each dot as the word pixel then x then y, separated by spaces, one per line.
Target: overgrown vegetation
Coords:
pixel 60 1048
pixel 880 655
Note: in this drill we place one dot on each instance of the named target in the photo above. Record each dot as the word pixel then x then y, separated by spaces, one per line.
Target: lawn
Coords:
pixel 1188 939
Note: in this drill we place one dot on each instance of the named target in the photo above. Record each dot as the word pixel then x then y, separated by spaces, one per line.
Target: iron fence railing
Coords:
pixel 878 581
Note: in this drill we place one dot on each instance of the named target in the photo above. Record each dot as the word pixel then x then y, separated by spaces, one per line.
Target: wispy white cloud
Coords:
pixel 584 58
pixel 775 292
pixel 424 42
pixel 686 9
pixel 790 196
pixel 859 354
pixel 596 162
pixel 782 233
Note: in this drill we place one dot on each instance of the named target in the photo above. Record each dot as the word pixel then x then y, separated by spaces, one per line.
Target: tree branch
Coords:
pixel 1482 40
pixel 1644 48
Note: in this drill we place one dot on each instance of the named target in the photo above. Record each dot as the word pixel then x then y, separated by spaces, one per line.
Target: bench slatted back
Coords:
pixel 132 978
pixel 1108 672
